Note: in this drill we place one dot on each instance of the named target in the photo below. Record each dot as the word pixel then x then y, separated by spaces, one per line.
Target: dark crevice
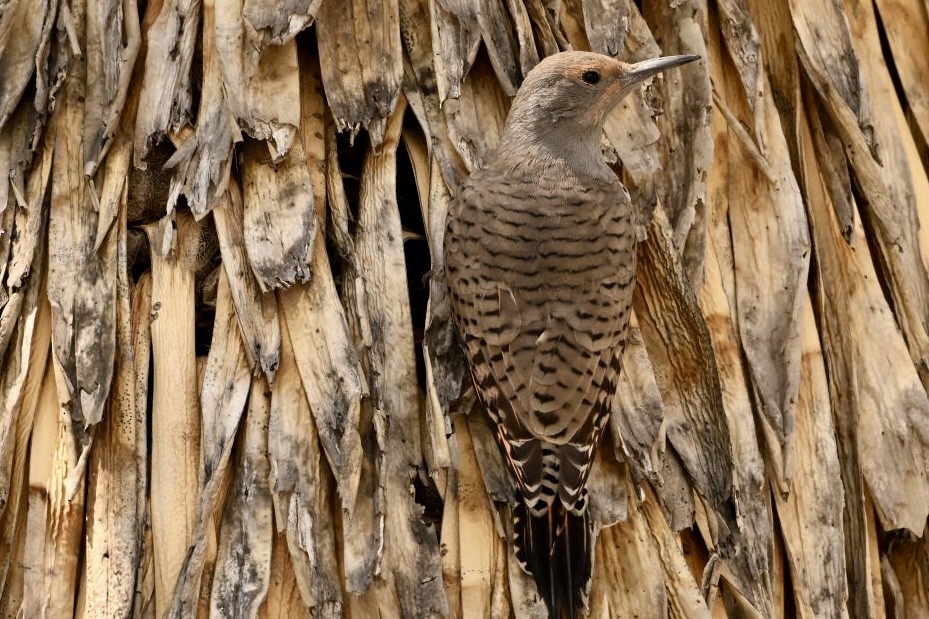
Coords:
pixel 790 606
pixel 427 495
pixel 415 251
pixel 915 131
pixel 352 152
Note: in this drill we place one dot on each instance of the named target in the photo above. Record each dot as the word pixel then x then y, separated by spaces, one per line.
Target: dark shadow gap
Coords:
pixel 921 147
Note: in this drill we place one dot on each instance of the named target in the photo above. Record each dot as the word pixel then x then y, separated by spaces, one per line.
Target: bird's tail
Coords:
pixel 555 550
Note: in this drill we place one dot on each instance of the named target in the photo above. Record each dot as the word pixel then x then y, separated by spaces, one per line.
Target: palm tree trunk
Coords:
pixel 228 382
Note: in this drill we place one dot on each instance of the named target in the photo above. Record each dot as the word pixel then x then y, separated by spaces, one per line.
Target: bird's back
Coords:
pixel 541 274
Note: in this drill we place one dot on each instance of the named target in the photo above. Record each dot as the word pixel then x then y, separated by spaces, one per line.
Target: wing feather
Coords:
pixel 542 314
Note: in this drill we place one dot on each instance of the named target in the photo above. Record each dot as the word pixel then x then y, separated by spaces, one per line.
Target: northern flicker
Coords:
pixel 540 263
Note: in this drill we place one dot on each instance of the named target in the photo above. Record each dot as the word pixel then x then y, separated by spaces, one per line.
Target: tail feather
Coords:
pixel 555 549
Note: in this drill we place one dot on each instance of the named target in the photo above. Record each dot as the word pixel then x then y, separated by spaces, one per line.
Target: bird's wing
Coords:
pixel 543 315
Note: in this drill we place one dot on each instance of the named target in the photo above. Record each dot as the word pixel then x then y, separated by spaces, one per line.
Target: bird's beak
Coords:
pixel 647 68
pixel 632 75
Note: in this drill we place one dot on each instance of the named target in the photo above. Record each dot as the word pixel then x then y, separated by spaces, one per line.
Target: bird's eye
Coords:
pixel 591 76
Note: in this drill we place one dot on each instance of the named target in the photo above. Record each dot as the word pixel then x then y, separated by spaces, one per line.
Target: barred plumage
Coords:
pixel 542 298
pixel 540 263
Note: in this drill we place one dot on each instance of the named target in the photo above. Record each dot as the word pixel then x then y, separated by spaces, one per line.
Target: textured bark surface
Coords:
pixel 228 383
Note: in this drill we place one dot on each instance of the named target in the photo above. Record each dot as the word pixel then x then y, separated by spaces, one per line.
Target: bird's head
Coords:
pixel 567 96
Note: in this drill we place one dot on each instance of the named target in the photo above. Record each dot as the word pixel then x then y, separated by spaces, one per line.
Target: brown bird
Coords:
pixel 540 262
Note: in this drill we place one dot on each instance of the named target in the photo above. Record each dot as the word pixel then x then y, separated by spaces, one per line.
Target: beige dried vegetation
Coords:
pixel 215 221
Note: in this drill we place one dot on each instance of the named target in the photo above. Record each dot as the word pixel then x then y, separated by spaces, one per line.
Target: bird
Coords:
pixel 539 259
